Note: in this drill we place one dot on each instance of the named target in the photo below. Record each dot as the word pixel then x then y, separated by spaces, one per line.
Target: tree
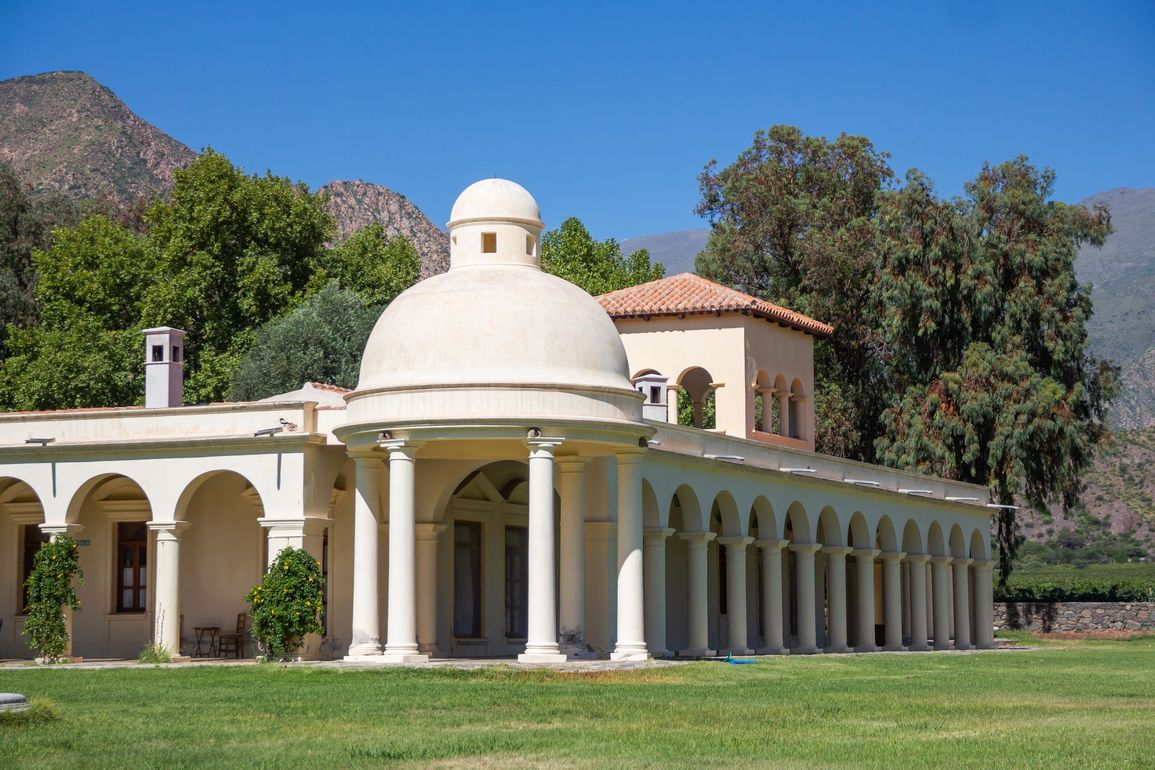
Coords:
pixel 51 590
pixel 570 252
pixel 791 222
pixel 374 266
pixel 86 350
pixel 985 328
pixel 234 251
pixel 320 341
pixel 960 346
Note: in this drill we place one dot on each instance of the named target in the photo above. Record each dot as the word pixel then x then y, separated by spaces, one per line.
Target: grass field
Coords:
pixel 1070 704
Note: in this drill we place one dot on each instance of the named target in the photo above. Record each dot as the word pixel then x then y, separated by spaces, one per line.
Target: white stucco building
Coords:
pixel 507 478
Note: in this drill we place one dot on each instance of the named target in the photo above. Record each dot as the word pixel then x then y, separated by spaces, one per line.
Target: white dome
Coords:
pixel 494 325
pixel 494 339
pixel 495 199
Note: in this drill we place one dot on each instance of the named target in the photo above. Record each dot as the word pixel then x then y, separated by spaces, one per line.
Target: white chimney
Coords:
pixel 654 387
pixel 163 367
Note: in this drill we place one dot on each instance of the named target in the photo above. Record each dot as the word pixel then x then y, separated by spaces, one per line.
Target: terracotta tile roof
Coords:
pixel 331 388
pixel 689 294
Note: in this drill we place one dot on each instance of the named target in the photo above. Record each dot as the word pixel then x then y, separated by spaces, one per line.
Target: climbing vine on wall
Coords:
pixel 52 590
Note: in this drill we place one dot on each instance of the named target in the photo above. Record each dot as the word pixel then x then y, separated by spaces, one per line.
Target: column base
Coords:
pixel 941 647
pixel 741 651
pixel 770 651
pixel 892 648
pixel 805 651
pixel 541 657
pixel 915 647
pixel 964 646
pixel 630 652
pixel 364 649
pixel 697 652
pixel 832 650
pixel 866 648
pixel 403 658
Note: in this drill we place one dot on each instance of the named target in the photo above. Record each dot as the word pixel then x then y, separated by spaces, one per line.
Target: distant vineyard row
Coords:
pixel 1093 583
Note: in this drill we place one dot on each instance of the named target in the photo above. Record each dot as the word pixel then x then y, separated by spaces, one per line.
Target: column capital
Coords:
pixel 807 548
pixel 941 560
pixel 400 447
pixel 983 565
pixel 543 446
pixel 657 534
pixel 730 540
pixel 61 529
pixel 630 457
pixel 170 529
pixel 429 530
pixel 918 558
pixel 961 562
pixel 771 545
pixel 891 555
pixel 862 553
pixel 697 537
pixel 365 457
pixel 837 550
pixel 571 463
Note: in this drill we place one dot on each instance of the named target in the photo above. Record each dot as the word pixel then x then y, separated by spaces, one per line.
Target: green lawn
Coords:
pixel 1069 704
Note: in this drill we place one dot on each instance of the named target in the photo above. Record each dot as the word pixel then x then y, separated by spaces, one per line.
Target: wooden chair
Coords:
pixel 234 643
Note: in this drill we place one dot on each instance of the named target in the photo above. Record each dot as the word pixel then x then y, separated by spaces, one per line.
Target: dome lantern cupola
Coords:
pixel 495 222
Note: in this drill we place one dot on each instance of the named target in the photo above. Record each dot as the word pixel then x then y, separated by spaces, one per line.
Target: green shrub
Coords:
pixel 154 653
pixel 286 604
pixel 51 589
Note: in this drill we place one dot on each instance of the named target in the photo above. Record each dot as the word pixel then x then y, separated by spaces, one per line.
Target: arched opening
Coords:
pixel 796 406
pixel 223 553
pixel 696 402
pixel 829 596
pixel 797 531
pixel 117 556
pixel 21 514
pixel 685 518
pixel 763 527
pixel 485 585
pixel 864 581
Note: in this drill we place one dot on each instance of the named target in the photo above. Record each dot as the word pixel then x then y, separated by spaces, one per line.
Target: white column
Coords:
pixel 962 604
pixel 864 570
pixel 819 599
pixel 401 628
pixel 892 599
pixel 940 574
pixel 736 592
pixel 836 594
pixel 984 605
pixel 783 412
pixel 804 585
pixel 427 535
pixel 655 569
pixel 166 613
pixel 366 534
pixel 541 643
pixel 697 606
pixel 673 393
pixel 771 595
pixel 631 641
pixel 572 609
pixel 918 632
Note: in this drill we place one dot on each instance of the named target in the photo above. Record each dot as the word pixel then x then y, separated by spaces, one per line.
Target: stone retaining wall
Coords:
pixel 1076 616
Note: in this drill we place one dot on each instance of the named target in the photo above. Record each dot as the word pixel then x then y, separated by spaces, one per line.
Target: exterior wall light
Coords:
pixel 269 431
pixel 40 441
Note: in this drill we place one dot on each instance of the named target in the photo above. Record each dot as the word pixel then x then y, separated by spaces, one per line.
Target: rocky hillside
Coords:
pixel 1122 275
pixel 64 132
pixel 356 204
pixel 1119 496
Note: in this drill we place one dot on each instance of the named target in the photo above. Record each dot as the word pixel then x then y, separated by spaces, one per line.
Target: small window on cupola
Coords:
pixel 176 353
pixel 157 353
pixel 489 243
pixel 529 244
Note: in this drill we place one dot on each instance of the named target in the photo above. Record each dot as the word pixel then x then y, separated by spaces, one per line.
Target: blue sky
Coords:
pixel 608 111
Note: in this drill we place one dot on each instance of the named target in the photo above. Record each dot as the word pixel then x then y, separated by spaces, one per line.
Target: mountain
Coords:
pixel 674 250
pixel 356 204
pixel 64 132
pixel 1122 276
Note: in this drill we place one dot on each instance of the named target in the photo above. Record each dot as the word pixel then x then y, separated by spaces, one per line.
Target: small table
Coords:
pixel 211 632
